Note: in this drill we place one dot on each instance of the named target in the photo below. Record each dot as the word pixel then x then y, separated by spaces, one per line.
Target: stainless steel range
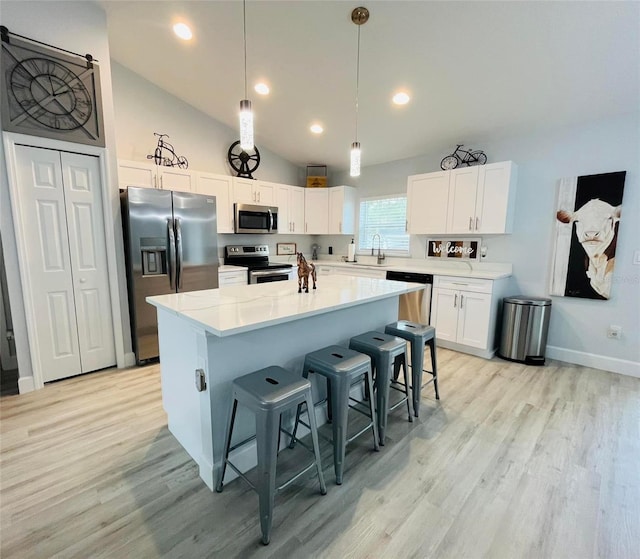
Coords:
pixel 256 259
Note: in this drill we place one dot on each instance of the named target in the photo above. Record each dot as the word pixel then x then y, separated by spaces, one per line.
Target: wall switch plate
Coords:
pixel 614 332
pixel 201 383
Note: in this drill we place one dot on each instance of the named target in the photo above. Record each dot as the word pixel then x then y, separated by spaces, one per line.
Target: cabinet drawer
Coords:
pixel 465 284
pixel 232 278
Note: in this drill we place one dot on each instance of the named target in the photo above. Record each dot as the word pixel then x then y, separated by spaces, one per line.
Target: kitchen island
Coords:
pixel 222 334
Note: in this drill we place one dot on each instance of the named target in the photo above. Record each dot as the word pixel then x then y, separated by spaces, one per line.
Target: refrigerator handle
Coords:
pixel 172 253
pixel 179 251
pixel 270 220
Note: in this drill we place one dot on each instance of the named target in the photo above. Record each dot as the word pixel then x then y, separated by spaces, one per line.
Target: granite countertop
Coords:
pixel 241 308
pixel 458 269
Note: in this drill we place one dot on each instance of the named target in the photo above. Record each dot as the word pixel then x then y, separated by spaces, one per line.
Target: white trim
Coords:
pixel 10 140
pixel 129 359
pixel 610 364
pixel 26 384
pixel 484 353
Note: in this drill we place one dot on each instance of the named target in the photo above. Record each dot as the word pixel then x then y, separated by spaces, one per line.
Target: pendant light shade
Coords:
pixel 246 113
pixel 246 125
pixel 359 16
pixel 355 160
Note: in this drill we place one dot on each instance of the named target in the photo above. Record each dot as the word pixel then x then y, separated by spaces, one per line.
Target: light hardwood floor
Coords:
pixel 513 462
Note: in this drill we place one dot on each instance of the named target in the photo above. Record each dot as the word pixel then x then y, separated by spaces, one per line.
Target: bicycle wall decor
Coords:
pixel 463 157
pixel 165 154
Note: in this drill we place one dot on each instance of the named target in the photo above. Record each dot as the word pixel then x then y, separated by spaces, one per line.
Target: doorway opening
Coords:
pixel 8 359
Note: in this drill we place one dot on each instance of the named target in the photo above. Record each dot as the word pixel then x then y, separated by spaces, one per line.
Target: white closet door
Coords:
pixel 44 231
pixel 82 188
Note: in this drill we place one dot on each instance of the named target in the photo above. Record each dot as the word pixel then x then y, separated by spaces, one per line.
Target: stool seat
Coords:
pixel 384 350
pixel 269 392
pixel 418 335
pixel 342 368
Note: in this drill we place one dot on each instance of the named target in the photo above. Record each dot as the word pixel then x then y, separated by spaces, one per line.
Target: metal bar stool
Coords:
pixel 418 335
pixel 269 392
pixel 384 350
pixel 342 368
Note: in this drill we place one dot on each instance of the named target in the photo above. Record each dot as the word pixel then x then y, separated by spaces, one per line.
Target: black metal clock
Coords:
pixel 243 162
pixel 50 94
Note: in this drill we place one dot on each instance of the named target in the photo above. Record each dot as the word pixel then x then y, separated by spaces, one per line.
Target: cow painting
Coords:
pixel 587 222
pixel 597 231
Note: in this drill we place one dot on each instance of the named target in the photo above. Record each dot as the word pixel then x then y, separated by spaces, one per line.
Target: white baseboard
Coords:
pixel 612 364
pixel 484 353
pixel 26 384
pixel 129 359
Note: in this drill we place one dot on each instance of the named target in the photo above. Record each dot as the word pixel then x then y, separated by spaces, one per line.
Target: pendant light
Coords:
pixel 246 114
pixel 359 16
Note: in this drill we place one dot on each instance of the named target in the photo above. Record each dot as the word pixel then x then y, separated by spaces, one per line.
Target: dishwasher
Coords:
pixel 415 306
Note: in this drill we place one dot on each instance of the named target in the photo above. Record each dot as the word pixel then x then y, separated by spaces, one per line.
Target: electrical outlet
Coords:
pixel 614 332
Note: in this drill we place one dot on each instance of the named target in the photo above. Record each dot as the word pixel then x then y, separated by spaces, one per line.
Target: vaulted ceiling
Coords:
pixel 474 70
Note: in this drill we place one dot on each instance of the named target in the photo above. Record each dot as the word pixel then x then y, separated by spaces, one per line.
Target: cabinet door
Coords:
pixel 474 318
pixel 135 173
pixel 296 209
pixel 265 194
pixel 221 187
pixel 342 210
pixel 463 185
pixel 427 202
pixel 444 313
pixel 316 211
pixel 175 179
pixel 283 195
pixel 496 193
pixel 243 191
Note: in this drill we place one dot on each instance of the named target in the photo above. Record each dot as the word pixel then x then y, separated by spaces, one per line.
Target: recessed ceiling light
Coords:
pixel 183 31
pixel 316 129
pixel 401 98
pixel 262 88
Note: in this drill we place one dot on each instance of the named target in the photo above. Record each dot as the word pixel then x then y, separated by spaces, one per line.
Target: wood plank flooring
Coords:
pixel 513 462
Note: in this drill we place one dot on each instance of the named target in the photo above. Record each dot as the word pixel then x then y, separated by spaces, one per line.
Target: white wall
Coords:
pixel 79 27
pixel 142 108
pixel 578 326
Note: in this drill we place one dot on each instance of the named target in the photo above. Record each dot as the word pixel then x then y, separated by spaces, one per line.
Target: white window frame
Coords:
pixel 387 252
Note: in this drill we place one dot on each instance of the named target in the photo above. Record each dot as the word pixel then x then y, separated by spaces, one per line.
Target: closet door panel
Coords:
pixel 83 198
pixel 43 228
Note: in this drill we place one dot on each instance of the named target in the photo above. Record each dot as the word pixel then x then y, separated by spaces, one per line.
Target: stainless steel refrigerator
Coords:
pixel 171 245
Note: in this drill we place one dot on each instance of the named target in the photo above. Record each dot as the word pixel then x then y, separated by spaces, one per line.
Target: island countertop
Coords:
pixel 242 308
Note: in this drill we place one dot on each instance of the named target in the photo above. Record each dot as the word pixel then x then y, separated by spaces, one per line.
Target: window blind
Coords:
pixel 385 216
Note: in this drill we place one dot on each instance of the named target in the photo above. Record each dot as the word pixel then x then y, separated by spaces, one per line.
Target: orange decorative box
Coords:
pixel 316 176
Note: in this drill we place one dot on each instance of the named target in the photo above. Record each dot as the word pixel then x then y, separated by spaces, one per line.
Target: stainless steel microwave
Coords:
pixel 255 219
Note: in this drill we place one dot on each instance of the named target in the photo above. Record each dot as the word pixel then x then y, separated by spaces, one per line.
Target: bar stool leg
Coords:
pixel 432 346
pixel 403 359
pixel 383 372
pixel 316 444
pixel 267 425
pixel 417 364
pixel 372 408
pixel 340 413
pixel 227 444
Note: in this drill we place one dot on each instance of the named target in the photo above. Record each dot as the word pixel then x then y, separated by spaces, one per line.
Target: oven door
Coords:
pixel 255 219
pixel 265 276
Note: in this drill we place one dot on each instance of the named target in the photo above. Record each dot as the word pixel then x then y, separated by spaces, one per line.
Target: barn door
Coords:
pixel 65 251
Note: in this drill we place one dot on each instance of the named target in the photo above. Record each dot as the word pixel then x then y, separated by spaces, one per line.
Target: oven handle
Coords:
pixel 272 272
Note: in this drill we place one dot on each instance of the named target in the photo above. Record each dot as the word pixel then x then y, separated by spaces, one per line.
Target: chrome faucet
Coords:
pixel 380 255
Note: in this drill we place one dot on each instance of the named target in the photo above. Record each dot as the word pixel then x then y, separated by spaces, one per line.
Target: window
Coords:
pixel 387 217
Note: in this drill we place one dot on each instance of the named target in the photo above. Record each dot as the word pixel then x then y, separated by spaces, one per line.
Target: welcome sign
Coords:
pixel 468 249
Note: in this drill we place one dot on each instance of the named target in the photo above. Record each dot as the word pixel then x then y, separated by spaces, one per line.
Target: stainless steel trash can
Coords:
pixel 525 324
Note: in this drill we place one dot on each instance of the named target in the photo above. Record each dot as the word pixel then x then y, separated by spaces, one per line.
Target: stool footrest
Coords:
pixel 242 443
pixel 299 474
pixel 364 429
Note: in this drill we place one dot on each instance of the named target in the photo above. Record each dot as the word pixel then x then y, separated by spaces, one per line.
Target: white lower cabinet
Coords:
pixel 464 313
pixel 234 277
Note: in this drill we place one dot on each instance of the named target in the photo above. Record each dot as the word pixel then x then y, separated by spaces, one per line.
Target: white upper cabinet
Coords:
pixel 149 175
pixel 469 200
pixel 427 201
pixel 342 210
pixel 316 211
pixel 290 203
pixel 249 191
pixel 220 186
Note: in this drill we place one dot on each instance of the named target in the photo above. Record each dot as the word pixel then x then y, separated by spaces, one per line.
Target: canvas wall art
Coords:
pixel 587 221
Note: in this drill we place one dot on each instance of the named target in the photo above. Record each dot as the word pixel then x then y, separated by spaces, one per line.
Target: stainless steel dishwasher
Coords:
pixel 415 306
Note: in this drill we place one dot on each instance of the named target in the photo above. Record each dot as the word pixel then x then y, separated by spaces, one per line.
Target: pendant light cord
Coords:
pixel 244 36
pixel 357 80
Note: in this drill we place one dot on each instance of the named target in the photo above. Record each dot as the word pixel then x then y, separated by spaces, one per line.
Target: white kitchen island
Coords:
pixel 235 330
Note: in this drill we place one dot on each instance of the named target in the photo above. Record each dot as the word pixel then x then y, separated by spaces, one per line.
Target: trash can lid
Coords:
pixel 523 300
